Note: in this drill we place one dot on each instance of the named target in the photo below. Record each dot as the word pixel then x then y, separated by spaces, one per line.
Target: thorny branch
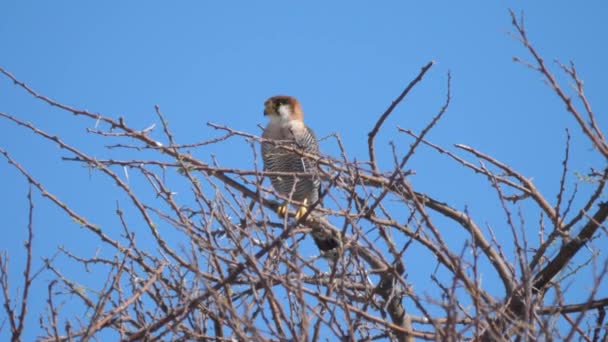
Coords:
pixel 242 272
pixel 372 134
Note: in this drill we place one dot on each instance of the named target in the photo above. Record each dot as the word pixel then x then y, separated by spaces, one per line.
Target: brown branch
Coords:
pixel 571 71
pixel 372 134
pixel 598 141
pixel 567 252
pixel 579 307
pixel 527 184
pixel 590 202
pixel 27 278
pixel 224 279
pixel 542 249
pixel 398 169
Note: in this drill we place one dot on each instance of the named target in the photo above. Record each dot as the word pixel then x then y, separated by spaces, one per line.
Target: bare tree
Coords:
pixel 219 264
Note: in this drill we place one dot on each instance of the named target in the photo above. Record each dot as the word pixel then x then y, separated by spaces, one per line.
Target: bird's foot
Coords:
pixel 282 209
pixel 302 210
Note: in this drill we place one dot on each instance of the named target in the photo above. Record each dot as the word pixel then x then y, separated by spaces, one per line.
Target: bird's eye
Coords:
pixel 278 103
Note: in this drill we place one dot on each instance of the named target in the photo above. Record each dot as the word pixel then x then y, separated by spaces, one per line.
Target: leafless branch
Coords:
pixel 197 252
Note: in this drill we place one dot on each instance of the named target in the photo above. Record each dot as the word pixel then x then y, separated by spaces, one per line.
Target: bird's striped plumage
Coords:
pixel 300 183
pixel 278 159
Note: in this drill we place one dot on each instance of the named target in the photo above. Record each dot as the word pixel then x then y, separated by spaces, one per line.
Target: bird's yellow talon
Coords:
pixel 282 209
pixel 301 212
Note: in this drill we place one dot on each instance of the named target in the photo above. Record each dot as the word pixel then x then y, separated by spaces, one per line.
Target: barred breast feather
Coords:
pixel 278 159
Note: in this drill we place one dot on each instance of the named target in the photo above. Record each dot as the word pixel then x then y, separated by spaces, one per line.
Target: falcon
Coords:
pixel 287 128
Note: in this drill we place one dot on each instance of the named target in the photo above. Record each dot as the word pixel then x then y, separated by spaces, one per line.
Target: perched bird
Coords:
pixel 286 127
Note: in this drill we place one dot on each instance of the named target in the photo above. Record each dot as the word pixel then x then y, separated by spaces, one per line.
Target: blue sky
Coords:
pixel 346 61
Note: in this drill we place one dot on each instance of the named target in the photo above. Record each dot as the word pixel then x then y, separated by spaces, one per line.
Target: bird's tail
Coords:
pixel 327 240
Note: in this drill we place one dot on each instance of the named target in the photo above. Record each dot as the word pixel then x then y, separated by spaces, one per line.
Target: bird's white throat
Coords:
pixel 283 118
pixel 285 112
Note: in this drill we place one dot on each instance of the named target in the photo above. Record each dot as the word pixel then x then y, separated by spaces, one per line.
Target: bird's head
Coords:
pixel 282 108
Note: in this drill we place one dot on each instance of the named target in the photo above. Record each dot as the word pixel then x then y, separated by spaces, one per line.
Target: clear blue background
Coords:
pixel 346 61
